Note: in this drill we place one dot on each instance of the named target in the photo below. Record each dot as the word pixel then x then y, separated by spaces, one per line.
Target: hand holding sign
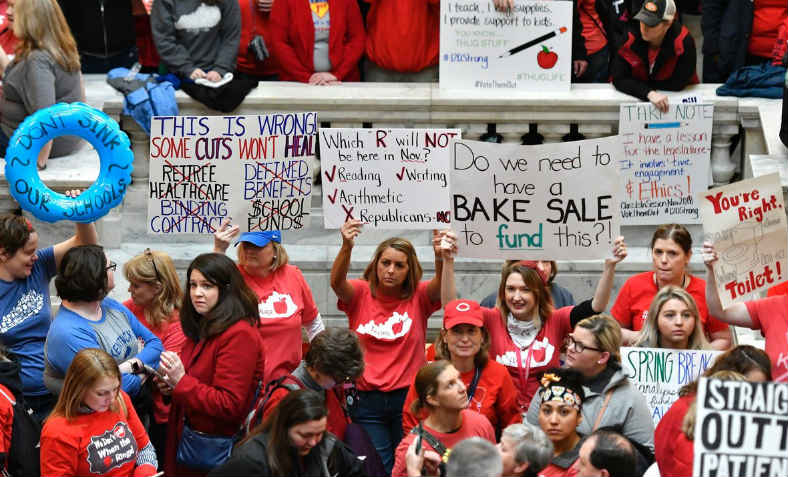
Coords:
pixel 350 230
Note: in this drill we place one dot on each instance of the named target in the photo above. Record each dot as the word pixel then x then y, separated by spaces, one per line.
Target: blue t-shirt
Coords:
pixel 116 333
pixel 26 313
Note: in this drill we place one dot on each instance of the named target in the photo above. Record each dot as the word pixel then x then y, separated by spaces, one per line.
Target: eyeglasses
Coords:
pixel 579 347
pixel 152 259
pixel 112 266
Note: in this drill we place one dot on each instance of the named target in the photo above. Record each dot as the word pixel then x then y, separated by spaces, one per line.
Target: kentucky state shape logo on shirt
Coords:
pixel 277 305
pixel 319 8
pixel 27 306
pixel 396 326
pixel 541 354
pixel 112 449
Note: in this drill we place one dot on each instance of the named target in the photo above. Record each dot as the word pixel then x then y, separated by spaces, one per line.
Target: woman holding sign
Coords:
pixel 526 331
pixel 285 299
pixel 388 309
pixel 673 322
pixel 671 250
pixel 770 315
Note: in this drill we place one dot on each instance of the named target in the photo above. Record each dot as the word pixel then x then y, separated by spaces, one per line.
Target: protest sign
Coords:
pixel 528 48
pixel 666 162
pixel 746 223
pixel 388 178
pixel 547 202
pixel 741 428
pixel 660 373
pixel 254 169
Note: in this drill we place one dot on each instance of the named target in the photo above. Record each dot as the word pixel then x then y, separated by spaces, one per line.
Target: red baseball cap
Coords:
pixel 458 312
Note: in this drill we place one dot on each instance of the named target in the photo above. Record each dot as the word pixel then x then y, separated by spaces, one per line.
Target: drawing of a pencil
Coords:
pixel 519 48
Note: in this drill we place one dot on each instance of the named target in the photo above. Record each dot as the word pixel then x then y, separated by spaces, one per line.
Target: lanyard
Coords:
pixel 524 373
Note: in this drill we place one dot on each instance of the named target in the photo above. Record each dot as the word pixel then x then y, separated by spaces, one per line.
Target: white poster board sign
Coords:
pixel 660 373
pixel 254 169
pixel 746 223
pixel 666 161
pixel 387 178
pixel 547 202
pixel 741 429
pixel 527 49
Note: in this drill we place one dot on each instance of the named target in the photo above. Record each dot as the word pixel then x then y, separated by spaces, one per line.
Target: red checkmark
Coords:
pixel 334 197
pixel 330 177
pixel 401 174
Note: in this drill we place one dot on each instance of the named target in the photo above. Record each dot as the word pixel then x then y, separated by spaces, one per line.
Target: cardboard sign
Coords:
pixel 666 163
pixel 388 178
pixel 741 429
pixel 527 49
pixel 660 373
pixel 254 169
pixel 548 202
pixel 746 223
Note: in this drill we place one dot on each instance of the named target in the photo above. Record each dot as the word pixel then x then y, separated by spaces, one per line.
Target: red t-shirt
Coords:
pixel 593 31
pixel 767 15
pixel 473 425
pixel 553 470
pixel 286 304
pixel 337 421
pixel 7 39
pixel 101 443
pixel 770 315
pixel 6 422
pixel 544 351
pixel 389 329
pixel 781 289
pixel 634 299
pixel 495 398
pixel 254 22
pixel 403 35
pixel 172 338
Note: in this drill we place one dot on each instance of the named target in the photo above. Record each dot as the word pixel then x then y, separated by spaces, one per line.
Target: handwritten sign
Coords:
pixel 660 373
pixel 389 178
pixel 554 201
pixel 254 169
pixel 741 429
pixel 746 223
pixel 666 161
pixel 483 49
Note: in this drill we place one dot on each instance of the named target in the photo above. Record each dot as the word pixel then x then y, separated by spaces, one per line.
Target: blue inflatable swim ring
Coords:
pixel 92 125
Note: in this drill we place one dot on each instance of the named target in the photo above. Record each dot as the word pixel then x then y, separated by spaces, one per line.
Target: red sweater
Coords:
pixel 767 15
pixel 673 450
pixel 222 373
pixel 293 39
pixel 101 443
pixel 495 397
pixel 254 22
pixel 403 35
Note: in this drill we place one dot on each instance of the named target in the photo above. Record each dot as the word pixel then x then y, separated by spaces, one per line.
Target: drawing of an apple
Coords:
pixel 546 58
pixel 280 306
pixel 396 328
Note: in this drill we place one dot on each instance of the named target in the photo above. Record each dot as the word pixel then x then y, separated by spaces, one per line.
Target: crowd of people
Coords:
pixel 211 378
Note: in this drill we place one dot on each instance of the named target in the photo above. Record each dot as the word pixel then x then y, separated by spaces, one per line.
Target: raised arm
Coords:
pixel 85 234
pixel 339 282
pixel 737 313
pixel 223 236
pixel 448 286
pixel 434 287
pixel 605 285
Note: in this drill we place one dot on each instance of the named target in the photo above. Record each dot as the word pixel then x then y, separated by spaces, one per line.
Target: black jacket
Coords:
pixel 331 457
pixel 101 28
pixel 726 26
pixel 674 67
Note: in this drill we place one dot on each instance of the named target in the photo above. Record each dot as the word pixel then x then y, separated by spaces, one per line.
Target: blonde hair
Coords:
pixel 156 267
pixel 40 25
pixel 649 336
pixel 688 424
pixel 607 334
pixel 87 367
pixel 280 255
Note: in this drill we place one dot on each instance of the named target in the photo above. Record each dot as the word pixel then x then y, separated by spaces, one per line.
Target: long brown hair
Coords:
pixel 154 267
pixel 426 384
pixel 40 25
pixel 542 296
pixel 414 267
pixel 87 367
pixel 479 359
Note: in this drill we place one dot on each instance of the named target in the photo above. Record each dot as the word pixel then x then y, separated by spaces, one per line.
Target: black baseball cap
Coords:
pixel 655 11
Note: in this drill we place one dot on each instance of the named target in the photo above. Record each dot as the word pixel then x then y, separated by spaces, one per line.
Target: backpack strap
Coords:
pixel 255 415
pixel 11 400
pixel 432 440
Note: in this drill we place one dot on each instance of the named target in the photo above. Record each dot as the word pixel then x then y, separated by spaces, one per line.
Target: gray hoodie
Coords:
pixel 627 412
pixel 191 34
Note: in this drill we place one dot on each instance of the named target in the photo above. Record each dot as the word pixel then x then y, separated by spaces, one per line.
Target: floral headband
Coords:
pixel 560 394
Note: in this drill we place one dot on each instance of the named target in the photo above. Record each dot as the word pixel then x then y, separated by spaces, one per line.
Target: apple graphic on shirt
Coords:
pixel 546 58
pixel 280 307
pixel 396 328
pixel 537 354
